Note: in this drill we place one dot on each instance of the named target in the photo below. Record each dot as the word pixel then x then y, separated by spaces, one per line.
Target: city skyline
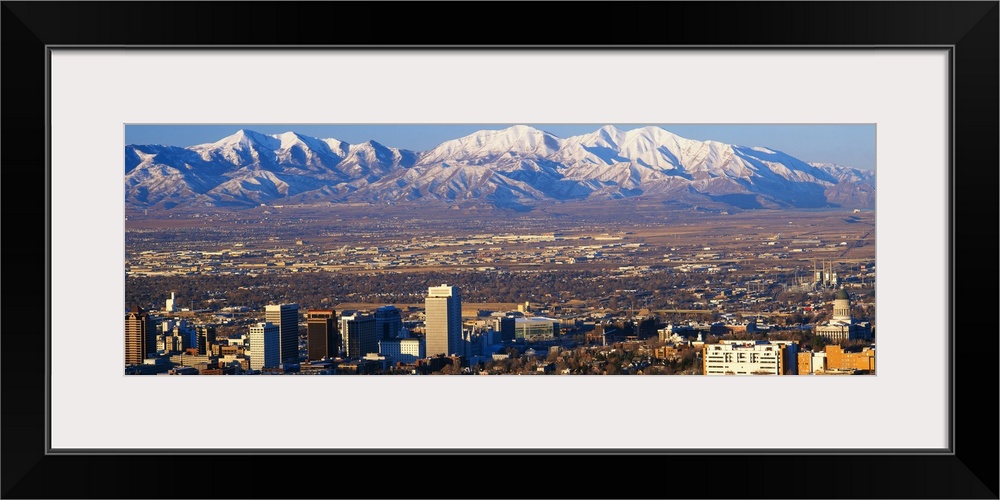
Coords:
pixel 446 330
pixel 381 308
pixel 615 249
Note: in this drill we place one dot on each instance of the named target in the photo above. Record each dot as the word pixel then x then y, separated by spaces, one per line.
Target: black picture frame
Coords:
pixel 969 28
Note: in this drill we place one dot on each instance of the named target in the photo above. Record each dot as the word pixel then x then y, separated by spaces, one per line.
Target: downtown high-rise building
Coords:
pixel 286 318
pixel 206 337
pixel 140 336
pixel 321 334
pixel 388 322
pixel 505 325
pixel 357 332
pixel 265 346
pixel 443 322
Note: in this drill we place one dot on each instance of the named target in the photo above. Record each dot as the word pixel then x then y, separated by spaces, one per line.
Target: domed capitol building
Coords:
pixel 842 326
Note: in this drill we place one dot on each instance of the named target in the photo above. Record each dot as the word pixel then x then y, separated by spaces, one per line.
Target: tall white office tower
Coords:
pixel 286 317
pixel 264 346
pixel 443 323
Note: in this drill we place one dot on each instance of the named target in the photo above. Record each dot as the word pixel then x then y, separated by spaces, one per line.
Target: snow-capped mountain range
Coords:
pixel 515 167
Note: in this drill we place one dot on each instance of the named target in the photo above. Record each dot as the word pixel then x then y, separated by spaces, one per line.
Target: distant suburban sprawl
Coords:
pixel 505 252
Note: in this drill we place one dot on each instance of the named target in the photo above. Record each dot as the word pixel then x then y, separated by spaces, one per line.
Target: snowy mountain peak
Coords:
pixel 522 129
pixel 337 146
pixel 246 135
pixel 243 139
pixel 610 135
pixel 369 147
pixel 289 138
pixel 613 137
pixel 489 145
pixel 654 133
pixel 515 166
pixel 516 136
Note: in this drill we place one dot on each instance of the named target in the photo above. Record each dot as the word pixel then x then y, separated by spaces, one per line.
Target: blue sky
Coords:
pixel 850 145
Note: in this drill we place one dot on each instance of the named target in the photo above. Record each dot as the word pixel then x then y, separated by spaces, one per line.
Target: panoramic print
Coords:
pixel 499 249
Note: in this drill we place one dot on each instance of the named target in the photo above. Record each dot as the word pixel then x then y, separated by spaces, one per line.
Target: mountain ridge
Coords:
pixel 516 167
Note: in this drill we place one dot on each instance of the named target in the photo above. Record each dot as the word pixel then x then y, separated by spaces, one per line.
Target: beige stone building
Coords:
pixel 842 326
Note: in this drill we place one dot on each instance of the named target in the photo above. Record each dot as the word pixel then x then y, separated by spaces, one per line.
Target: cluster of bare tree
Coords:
pixel 597 287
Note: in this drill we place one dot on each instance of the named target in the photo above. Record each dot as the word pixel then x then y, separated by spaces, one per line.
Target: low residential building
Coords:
pixel 675 333
pixel 750 358
pixel 150 366
pixel 324 367
pixel 666 353
pixel 406 351
pixel 182 370
pixel 358 367
pixel 535 329
pixel 837 359
pixel 186 359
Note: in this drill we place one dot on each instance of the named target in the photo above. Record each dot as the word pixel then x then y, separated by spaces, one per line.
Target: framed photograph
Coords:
pixel 905 94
